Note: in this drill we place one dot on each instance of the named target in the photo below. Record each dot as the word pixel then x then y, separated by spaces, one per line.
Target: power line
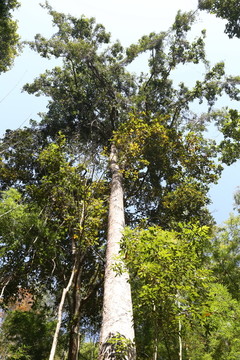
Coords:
pixel 14 87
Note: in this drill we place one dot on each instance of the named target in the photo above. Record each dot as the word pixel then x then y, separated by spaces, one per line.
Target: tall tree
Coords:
pixel 91 96
pixel 117 333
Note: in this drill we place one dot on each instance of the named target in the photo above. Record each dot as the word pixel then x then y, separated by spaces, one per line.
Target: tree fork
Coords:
pixel 117 332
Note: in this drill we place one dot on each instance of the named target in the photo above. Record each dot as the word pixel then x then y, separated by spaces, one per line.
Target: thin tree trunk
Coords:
pixel 155 353
pixel 117 332
pixel 74 278
pixel 59 318
pixel 180 339
pixel 179 329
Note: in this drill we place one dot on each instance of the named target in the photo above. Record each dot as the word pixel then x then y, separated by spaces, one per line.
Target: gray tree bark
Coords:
pixel 117 331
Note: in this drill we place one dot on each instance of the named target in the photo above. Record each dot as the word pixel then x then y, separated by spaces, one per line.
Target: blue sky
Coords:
pixel 127 20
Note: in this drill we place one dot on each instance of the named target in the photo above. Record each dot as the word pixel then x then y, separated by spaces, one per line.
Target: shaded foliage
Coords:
pixel 27 335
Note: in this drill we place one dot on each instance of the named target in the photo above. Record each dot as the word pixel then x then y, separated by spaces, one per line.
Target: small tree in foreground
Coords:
pixel 169 284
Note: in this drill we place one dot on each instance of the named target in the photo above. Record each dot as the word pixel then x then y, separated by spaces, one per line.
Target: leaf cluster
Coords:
pixel 166 262
pixel 225 9
pixel 228 124
pixel 9 39
pixel 166 169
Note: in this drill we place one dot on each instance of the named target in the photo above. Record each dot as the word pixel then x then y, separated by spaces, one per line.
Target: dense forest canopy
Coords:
pixel 104 220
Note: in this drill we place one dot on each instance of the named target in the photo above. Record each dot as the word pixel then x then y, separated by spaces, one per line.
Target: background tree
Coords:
pixel 225 262
pixel 229 10
pixel 75 210
pixel 185 287
pixel 61 243
pixel 217 328
pixel 215 333
pixel 9 39
pixel 26 335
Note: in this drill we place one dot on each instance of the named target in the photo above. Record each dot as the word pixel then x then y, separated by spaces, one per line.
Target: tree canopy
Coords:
pixel 225 9
pixel 93 93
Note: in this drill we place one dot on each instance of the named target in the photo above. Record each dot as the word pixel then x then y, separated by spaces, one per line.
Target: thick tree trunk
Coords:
pixel 117 332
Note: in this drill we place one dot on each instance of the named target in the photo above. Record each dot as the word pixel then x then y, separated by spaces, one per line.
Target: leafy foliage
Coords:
pixel 59 229
pixel 217 337
pixel 9 38
pixel 28 335
pixel 19 152
pixel 16 223
pixel 226 256
pixel 166 170
pixel 168 280
pixel 225 9
pixel 228 123
pixel 88 351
